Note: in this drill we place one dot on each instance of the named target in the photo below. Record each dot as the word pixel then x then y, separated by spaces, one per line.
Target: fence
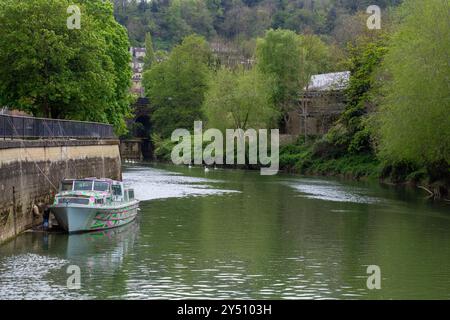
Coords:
pixel 30 127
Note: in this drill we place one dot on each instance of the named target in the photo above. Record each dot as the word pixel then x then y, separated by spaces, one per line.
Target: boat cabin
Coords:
pixel 93 191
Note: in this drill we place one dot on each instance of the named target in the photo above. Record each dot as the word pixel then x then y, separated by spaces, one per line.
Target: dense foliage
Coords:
pixel 149 58
pixel 396 124
pixel 50 70
pixel 239 99
pixel 177 86
pixel 415 113
pixel 171 20
pixel 353 133
pixel 290 60
pixel 279 56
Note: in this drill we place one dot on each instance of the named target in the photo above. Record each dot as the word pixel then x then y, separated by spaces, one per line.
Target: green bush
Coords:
pixel 162 147
pixel 326 150
pixel 397 171
pixel 360 142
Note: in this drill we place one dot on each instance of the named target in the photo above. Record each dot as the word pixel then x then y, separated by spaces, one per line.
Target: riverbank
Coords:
pixel 31 170
pixel 315 158
pixel 318 158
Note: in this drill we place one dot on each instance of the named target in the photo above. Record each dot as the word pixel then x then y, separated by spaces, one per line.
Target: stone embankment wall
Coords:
pixel 31 170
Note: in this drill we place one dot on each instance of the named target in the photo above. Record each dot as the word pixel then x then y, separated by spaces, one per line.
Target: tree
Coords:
pixel 198 17
pixel 50 70
pixel 291 60
pixel 414 117
pixel 316 57
pixel 149 52
pixel 239 99
pixel 117 42
pixel 171 20
pixel 352 133
pixel 278 55
pixel 176 87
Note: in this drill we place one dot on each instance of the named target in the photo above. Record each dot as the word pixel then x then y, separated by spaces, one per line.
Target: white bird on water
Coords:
pixel 206 169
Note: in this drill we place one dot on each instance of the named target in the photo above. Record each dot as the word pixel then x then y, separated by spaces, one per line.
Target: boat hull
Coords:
pixel 80 218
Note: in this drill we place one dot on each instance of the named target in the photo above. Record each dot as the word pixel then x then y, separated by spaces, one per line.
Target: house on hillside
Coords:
pixel 138 53
pixel 229 55
pixel 320 104
pixel 137 65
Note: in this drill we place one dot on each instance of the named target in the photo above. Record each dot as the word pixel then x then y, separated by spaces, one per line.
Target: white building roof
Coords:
pixel 329 81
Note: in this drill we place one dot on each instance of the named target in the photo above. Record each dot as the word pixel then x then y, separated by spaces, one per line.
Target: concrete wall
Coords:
pixel 136 149
pixel 31 170
pixel 131 149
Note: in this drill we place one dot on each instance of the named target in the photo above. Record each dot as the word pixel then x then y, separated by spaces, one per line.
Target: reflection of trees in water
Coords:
pixel 269 237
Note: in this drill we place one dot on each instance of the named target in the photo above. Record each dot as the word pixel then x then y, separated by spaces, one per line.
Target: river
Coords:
pixel 236 234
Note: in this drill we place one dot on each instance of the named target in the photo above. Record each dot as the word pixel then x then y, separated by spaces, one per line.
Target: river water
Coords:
pixel 236 234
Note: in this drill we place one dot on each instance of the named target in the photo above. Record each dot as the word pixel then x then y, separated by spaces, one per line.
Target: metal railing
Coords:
pixel 20 127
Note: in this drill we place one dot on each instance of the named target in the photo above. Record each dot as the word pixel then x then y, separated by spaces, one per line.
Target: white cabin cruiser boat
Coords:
pixel 94 204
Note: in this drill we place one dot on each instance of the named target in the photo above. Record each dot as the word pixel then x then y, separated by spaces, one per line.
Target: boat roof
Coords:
pixel 93 179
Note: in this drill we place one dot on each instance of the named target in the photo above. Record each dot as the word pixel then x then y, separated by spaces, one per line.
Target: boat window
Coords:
pixel 117 190
pixel 81 185
pixel 66 185
pixel 99 201
pixel 131 194
pixel 101 186
pixel 84 201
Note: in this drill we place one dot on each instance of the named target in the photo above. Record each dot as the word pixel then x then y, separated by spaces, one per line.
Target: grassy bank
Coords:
pixel 306 158
pixel 318 158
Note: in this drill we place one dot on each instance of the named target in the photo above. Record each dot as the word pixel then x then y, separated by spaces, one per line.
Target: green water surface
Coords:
pixel 237 234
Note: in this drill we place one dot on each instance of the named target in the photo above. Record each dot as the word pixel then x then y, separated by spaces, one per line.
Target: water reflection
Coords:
pixel 151 183
pixel 236 234
pixel 103 250
pixel 42 274
pixel 331 191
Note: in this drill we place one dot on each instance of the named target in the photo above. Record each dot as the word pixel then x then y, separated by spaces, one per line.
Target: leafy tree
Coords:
pixel 414 118
pixel 198 17
pixel 176 87
pixel 117 49
pixel 149 52
pixel 365 59
pixel 278 55
pixel 291 60
pixel 171 20
pixel 49 70
pixel 239 99
pixel 161 55
pixel 316 57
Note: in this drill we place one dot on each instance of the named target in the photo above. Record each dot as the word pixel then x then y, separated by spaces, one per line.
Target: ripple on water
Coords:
pixel 24 277
pixel 331 191
pixel 151 183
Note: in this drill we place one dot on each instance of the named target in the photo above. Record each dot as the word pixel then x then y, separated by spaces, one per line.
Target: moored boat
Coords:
pixel 94 204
